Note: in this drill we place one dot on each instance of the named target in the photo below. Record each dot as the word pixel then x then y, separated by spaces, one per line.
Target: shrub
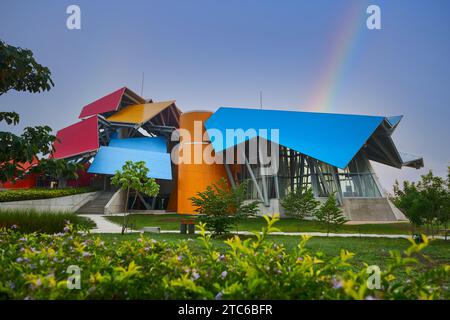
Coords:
pixel 34 267
pixel 222 207
pixel 28 221
pixel 300 205
pixel 426 202
pixel 38 193
pixel 330 214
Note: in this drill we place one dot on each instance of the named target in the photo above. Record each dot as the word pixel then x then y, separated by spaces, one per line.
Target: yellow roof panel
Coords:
pixel 139 113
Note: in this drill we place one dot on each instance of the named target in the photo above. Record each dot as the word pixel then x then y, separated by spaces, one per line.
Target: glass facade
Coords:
pixel 296 170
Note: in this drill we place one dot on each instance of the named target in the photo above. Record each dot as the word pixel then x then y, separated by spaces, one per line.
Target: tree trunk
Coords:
pixel 124 225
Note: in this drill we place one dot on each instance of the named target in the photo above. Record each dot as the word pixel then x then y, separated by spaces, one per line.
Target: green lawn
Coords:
pixel 369 250
pixel 172 222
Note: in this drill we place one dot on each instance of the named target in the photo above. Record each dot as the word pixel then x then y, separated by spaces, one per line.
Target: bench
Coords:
pixel 152 229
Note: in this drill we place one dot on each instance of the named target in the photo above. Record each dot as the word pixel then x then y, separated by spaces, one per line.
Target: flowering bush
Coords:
pixel 34 267
pixel 29 220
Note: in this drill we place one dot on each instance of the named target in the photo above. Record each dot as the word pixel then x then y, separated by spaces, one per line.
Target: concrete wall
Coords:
pixel 117 203
pixel 355 209
pixel 66 204
pixel 368 209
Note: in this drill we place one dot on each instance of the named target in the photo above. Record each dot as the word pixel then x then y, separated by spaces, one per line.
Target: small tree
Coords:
pixel 330 214
pixel 134 176
pixel 221 207
pixel 425 202
pixel 300 205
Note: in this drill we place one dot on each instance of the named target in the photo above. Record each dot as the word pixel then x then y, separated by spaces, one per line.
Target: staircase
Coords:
pixel 96 206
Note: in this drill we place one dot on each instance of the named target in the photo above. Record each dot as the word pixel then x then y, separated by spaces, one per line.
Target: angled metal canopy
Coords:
pixel 139 113
pixel 111 102
pixel 110 159
pixel 153 144
pixel 331 138
pixel 77 139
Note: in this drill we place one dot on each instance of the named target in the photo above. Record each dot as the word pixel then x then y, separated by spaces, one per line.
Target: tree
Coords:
pixel 222 207
pixel 425 202
pixel 300 205
pixel 330 214
pixel 19 71
pixel 134 176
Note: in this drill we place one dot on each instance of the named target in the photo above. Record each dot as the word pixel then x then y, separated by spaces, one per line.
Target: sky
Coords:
pixel 303 55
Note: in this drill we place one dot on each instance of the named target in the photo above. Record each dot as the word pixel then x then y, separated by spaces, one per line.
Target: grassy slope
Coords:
pixel 172 222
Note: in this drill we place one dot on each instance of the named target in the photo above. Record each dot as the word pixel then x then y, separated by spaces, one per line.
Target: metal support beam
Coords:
pixel 146 205
pixel 313 178
pixel 263 177
pixel 335 175
pixel 249 168
pixel 302 172
pixel 230 175
pixel 322 177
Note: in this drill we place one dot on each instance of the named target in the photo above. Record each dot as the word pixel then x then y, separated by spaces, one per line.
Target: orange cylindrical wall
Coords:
pixel 195 177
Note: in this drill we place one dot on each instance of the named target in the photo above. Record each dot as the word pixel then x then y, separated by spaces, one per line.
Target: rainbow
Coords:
pixel 337 62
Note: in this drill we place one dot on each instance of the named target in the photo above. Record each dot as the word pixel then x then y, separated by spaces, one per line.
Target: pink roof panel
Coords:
pixel 76 139
pixel 108 103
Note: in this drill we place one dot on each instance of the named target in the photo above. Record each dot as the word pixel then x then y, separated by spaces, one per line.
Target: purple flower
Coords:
pixel 19 259
pixel 337 284
pixel 219 296
pixel 224 274
pixel 222 257
pixel 66 229
pixel 196 275
pixel 154 241
pixel 38 282
pixel 179 258
pixel 146 249
pixel 14 226
pixel 300 259
pixel 23 239
pixel 86 254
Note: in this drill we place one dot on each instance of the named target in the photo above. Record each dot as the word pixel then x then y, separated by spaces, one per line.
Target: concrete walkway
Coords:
pixel 105 226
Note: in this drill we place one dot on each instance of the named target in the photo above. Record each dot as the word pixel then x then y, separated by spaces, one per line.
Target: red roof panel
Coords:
pixel 78 138
pixel 108 103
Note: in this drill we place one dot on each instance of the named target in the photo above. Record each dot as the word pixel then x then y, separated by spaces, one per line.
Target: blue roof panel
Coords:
pixel 154 144
pixel 110 159
pixel 331 138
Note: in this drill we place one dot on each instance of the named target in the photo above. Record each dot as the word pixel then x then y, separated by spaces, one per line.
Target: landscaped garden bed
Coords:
pixel 27 221
pixel 35 267
pixel 41 193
